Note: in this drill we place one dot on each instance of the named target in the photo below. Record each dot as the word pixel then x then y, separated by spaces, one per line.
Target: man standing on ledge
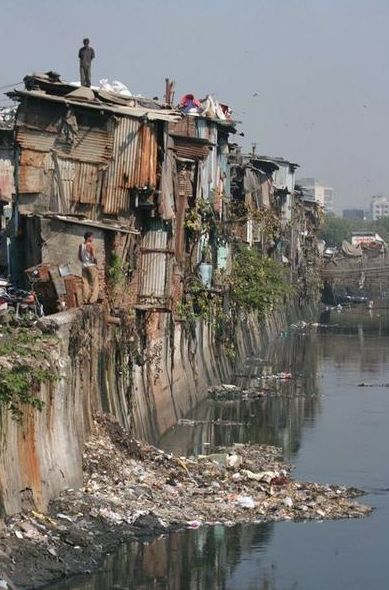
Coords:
pixel 90 274
pixel 86 54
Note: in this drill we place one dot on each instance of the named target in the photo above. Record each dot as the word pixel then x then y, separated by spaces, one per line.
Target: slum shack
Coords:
pixel 87 161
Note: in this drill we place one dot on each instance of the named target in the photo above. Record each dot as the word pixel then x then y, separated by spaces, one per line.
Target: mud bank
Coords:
pixel 134 491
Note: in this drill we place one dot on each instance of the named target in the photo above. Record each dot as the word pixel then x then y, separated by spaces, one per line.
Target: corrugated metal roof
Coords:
pixel 92 223
pixel 138 112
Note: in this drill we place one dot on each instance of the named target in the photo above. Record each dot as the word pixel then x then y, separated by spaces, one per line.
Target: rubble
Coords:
pixel 135 490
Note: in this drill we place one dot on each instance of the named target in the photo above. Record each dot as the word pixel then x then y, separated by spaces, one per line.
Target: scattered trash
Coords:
pixel 283 376
pixel 373 384
pixel 245 502
pixel 288 502
pixel 64 517
pixel 233 461
pixel 194 524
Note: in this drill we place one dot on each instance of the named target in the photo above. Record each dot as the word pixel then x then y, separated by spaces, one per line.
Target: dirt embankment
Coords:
pixel 135 491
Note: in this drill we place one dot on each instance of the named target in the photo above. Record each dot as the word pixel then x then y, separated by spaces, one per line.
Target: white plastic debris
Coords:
pixel 245 502
pixel 288 502
pixel 233 461
pixel 116 87
pixel 64 517
pixel 265 476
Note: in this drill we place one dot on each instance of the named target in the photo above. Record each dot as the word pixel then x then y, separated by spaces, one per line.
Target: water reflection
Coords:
pixel 275 419
pixel 192 560
pixel 331 429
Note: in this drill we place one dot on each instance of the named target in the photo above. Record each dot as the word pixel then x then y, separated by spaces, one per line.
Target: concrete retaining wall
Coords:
pixel 42 455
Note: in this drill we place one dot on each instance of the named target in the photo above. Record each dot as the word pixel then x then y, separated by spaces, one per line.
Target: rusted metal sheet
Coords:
pixel 92 144
pixel 7 186
pixel 32 172
pixel 134 163
pixel 155 283
pixel 40 127
pixel 188 148
pixel 34 140
pixel 63 178
pixel 122 172
pixel 87 183
pixel 187 127
pixel 148 157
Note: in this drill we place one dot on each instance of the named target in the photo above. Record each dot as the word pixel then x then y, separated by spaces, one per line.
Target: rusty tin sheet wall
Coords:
pixel 148 160
pixel 63 178
pixel 122 171
pixel 187 127
pixel 91 145
pixel 134 163
pixel 32 171
pixel 154 284
pixel 185 148
pixel 40 125
pixel 87 183
pixel 7 185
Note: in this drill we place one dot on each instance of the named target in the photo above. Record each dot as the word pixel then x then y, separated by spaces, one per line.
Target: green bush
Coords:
pixel 257 283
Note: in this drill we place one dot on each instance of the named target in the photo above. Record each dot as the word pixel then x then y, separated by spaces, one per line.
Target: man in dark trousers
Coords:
pixel 86 54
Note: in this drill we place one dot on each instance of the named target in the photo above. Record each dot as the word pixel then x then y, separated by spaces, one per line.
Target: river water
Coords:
pixel 331 428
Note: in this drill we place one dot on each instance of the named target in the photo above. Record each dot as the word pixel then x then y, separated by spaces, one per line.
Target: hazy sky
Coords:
pixel 320 68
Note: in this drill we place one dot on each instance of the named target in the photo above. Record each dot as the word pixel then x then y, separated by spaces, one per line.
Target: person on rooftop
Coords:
pixel 85 55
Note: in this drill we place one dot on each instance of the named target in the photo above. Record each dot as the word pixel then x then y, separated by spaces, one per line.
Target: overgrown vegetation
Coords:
pixel 24 365
pixel 255 284
pixel 116 278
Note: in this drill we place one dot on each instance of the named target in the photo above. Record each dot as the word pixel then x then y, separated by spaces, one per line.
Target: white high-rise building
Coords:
pixel 379 207
pixel 322 194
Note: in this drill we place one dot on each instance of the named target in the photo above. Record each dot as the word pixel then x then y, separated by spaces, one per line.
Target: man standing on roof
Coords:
pixel 86 54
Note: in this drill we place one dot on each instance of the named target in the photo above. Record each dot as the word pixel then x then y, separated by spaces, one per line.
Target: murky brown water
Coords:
pixel 331 429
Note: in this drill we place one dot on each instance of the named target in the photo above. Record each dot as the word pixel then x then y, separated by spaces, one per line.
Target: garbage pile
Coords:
pixel 125 479
pixel 135 490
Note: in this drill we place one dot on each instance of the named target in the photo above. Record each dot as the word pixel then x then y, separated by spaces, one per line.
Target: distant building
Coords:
pixel 379 207
pixel 324 195
pixel 353 214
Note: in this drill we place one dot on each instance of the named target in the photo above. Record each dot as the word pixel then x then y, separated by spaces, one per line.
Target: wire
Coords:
pixel 11 85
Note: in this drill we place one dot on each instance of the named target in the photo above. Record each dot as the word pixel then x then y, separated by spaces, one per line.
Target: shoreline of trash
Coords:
pixel 135 492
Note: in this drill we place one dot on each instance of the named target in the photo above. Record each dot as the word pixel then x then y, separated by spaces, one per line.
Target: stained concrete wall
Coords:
pixel 42 455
